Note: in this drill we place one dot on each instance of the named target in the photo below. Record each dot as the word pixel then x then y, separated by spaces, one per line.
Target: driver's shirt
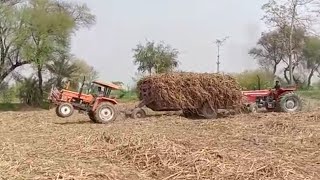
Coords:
pixel 100 93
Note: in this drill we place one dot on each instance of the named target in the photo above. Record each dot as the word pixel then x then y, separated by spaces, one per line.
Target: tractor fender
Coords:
pixel 280 94
pixel 101 100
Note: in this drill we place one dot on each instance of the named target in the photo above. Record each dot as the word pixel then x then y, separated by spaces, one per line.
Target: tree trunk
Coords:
pixel 150 71
pixel 274 69
pixel 59 82
pixel 311 75
pixel 286 76
pixel 5 73
pixel 40 80
pixel 294 7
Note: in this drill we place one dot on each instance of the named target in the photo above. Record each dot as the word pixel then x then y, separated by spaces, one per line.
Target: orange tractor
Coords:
pixel 100 107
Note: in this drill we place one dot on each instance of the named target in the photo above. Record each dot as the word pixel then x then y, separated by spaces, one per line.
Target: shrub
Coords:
pixel 248 80
pixel 29 92
pixel 8 95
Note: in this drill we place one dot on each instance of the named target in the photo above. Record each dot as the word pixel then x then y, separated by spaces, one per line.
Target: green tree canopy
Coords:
pixel 155 58
pixel 269 51
pixel 311 53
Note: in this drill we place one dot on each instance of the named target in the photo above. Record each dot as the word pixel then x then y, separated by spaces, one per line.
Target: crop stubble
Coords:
pixel 38 145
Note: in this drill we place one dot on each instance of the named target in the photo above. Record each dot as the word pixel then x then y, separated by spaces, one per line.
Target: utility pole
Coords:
pixel 219 43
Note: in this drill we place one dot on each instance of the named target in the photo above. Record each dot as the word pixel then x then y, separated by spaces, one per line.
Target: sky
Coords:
pixel 191 26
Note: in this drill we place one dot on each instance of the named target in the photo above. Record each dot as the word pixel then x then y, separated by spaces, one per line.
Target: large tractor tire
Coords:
pixel 64 110
pixel 208 112
pixel 289 102
pixel 91 116
pixel 105 113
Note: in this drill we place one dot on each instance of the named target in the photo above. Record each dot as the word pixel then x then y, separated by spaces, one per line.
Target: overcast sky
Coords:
pixel 191 26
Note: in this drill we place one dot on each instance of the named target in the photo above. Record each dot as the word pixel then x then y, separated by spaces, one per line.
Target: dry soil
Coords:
pixel 39 145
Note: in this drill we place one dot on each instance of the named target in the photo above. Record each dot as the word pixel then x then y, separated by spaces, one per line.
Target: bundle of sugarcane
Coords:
pixel 174 91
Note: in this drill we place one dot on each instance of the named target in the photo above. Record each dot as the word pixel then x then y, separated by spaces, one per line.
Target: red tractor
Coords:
pixel 99 106
pixel 278 100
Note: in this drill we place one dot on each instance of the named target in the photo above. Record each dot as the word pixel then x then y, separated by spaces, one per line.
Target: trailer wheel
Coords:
pixel 189 113
pixel 138 113
pixel 290 102
pixel 208 112
pixel 105 113
pixel 64 110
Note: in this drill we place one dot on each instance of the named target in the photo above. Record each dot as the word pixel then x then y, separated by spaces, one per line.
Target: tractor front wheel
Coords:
pixel 64 110
pixel 289 102
pixel 105 113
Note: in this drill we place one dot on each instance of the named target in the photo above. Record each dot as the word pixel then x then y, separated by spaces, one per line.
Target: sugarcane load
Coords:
pixel 200 93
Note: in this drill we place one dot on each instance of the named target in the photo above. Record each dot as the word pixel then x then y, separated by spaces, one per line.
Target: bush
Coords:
pixel 125 95
pixel 29 92
pixel 8 95
pixel 248 80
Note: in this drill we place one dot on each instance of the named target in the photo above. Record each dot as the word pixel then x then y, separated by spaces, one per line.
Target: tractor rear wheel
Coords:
pixel 208 112
pixel 64 110
pixel 91 116
pixel 289 102
pixel 105 113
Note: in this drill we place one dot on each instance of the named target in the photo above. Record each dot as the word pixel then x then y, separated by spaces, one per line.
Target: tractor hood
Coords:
pixel 256 93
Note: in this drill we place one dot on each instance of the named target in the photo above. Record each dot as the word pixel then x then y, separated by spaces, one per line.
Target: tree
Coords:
pixel 12 37
pixel 157 58
pixel 288 15
pixel 61 68
pixel 298 40
pixel 311 53
pixel 79 12
pixel 50 27
pixel 47 30
pixel 269 51
pixel 83 70
pixel 10 2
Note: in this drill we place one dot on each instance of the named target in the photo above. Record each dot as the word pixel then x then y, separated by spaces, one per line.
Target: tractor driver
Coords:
pixel 100 92
pixel 277 86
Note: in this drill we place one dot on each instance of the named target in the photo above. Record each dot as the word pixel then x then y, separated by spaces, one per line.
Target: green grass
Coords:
pixel 130 97
pixel 125 96
pixel 10 106
pixel 311 94
pixel 17 106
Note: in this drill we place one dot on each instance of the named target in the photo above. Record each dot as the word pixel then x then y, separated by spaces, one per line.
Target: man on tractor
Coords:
pixel 100 92
pixel 277 86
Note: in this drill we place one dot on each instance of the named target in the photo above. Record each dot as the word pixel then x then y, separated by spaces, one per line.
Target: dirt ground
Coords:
pixel 38 145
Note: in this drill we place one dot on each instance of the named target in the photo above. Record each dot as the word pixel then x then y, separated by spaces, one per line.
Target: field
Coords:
pixel 35 144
